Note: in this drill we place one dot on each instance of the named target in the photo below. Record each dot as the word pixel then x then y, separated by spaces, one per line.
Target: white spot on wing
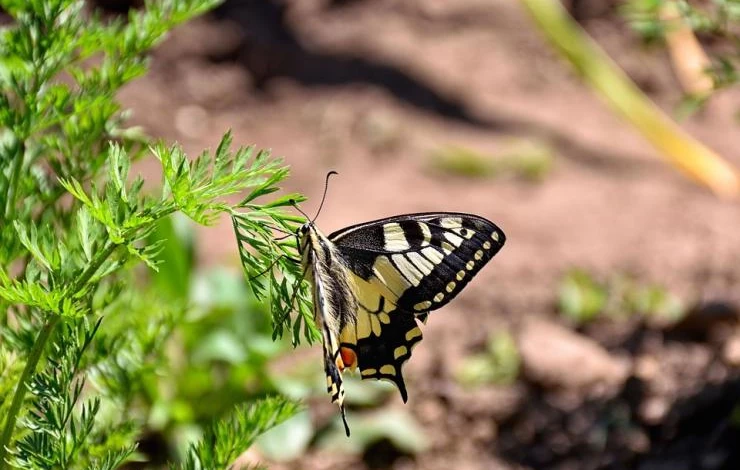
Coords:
pixel 390 276
pixel 454 239
pixel 432 254
pixel 426 232
pixel 423 264
pixel 451 222
pixel 407 268
pixel 395 239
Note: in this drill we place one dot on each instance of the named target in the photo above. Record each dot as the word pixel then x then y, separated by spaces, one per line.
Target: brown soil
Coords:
pixel 370 89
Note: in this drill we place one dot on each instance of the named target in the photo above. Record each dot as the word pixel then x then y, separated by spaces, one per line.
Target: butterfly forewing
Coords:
pixel 424 260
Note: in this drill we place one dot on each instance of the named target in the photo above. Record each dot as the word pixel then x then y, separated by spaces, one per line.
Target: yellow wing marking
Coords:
pixel 390 276
pixel 426 233
pixel 451 222
pixel 421 263
pixel 413 333
pixel 407 268
pixel 432 254
pixel 395 239
pixel 454 239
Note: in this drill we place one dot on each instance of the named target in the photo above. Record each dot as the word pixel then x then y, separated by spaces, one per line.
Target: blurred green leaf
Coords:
pixel 222 346
pixel 176 256
pixel 499 365
pixel 655 301
pixel 288 440
pixel 460 161
pixel 365 393
pixel 581 298
pixel 219 289
pixel 305 379
pixel 526 159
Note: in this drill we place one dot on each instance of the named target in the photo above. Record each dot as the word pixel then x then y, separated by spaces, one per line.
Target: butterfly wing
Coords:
pixel 403 267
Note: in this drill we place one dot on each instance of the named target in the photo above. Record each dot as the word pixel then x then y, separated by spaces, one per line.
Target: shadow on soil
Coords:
pixel 271 49
pixel 698 432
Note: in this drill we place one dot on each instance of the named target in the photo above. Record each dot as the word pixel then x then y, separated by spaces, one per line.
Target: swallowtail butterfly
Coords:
pixel 373 283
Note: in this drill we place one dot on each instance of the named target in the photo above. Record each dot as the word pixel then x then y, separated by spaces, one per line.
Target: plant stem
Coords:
pixel 20 390
pixel 15 174
pixel 92 268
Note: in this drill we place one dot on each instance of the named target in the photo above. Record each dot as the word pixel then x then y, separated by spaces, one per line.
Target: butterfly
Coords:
pixel 375 282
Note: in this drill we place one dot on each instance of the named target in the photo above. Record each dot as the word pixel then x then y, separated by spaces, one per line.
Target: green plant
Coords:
pixel 583 298
pixel 499 364
pixel 86 342
pixel 525 159
pixel 717 19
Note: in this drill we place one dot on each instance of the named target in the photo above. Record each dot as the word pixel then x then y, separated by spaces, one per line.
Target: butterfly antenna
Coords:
pixel 323 198
pixel 295 204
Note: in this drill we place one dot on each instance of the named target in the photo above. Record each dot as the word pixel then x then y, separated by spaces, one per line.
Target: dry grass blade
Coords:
pixel 687 154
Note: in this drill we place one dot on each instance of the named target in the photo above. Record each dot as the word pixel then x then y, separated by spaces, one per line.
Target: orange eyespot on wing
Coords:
pixel 349 358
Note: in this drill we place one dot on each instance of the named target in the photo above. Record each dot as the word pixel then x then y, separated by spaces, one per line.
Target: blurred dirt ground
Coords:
pixel 372 89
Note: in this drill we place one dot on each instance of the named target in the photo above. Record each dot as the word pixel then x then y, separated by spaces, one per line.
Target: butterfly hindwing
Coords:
pixel 382 356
